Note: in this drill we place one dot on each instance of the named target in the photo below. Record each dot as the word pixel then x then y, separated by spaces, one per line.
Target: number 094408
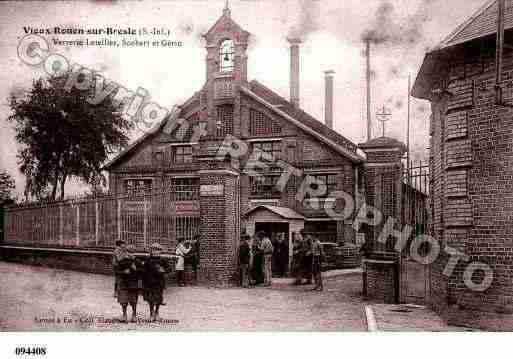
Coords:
pixel 30 351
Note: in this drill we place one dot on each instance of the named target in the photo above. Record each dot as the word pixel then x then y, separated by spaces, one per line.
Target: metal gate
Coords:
pixel 415 276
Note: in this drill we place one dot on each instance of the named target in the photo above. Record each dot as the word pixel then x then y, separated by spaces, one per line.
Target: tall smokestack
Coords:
pixel 328 98
pixel 294 70
pixel 368 73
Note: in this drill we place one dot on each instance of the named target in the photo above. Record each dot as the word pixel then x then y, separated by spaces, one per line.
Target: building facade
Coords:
pixel 218 197
pixel 472 169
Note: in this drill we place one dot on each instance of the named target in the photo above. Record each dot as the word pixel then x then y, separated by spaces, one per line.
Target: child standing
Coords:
pixel 119 253
pixel 154 281
pixel 127 270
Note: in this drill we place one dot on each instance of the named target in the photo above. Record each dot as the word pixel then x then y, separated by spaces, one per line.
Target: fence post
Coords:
pixel 119 218
pixel 61 225
pixel 78 225
pixel 145 225
pixel 97 223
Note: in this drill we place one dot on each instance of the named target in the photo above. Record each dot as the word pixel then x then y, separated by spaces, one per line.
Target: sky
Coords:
pixel 401 31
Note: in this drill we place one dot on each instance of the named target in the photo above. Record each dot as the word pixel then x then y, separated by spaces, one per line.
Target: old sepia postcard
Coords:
pixel 255 165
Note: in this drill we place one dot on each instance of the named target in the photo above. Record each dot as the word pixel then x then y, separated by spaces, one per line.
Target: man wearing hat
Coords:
pixel 267 249
pixel 244 259
pixel 307 256
pixel 193 257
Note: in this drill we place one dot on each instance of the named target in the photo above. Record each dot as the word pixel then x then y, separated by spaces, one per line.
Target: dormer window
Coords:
pixel 226 60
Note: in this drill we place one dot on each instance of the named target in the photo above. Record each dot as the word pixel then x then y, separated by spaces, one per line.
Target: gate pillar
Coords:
pixel 383 182
pixel 220 226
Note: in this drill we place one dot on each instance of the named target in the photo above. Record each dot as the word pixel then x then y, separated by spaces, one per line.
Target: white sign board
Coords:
pixel 211 190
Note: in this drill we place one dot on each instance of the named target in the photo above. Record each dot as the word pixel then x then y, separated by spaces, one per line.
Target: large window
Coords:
pixel 226 56
pixel 136 187
pixel 271 147
pixel 182 154
pixel 265 186
pixel 330 180
pixel 224 123
pixel 185 189
pixel 260 124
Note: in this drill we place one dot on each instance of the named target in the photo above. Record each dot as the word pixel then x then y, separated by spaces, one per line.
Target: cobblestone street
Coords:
pixel 37 298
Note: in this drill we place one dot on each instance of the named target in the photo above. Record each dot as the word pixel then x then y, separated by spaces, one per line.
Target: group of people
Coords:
pixel 255 261
pixel 133 274
pixel 307 260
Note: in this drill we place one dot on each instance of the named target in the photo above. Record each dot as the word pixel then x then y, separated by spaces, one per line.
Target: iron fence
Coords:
pixel 139 219
pixel 415 198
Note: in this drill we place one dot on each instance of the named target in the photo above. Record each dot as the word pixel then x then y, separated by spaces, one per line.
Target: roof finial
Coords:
pixel 226 9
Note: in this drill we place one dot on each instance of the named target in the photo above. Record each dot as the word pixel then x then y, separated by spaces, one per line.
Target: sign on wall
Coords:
pixel 188 207
pixel 212 190
pixel 136 206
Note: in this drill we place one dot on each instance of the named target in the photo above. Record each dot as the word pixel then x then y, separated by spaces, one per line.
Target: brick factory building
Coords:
pixel 472 165
pixel 171 183
pixel 230 105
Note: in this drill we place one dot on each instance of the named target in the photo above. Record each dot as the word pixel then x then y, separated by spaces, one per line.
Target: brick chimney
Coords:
pixel 294 70
pixel 328 98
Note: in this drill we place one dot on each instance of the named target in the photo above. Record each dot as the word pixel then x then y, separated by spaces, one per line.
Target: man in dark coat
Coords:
pixel 307 258
pixel 297 257
pixel 244 259
pixel 317 257
pixel 193 258
pixel 257 270
pixel 281 253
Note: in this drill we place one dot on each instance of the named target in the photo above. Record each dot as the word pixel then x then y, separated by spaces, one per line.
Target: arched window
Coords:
pixel 226 62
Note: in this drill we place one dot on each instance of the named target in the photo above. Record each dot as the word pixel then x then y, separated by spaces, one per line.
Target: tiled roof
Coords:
pixel 300 115
pixel 482 23
pixel 278 103
pixel 131 147
pixel 382 142
pixel 283 212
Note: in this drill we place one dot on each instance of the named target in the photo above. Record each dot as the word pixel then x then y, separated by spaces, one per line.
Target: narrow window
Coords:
pixel 224 123
pixel 226 63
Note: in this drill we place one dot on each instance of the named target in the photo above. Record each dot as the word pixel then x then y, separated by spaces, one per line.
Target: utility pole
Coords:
pixel 368 75
pixel 499 51
pixel 408 125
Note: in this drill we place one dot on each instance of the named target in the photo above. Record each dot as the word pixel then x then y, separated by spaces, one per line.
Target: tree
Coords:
pixel 6 188
pixel 63 135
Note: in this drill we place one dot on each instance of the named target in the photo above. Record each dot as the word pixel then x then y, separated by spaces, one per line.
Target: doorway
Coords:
pixel 278 232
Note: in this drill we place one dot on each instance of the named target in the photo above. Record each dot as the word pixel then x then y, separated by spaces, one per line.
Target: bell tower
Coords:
pixel 226 70
pixel 226 44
